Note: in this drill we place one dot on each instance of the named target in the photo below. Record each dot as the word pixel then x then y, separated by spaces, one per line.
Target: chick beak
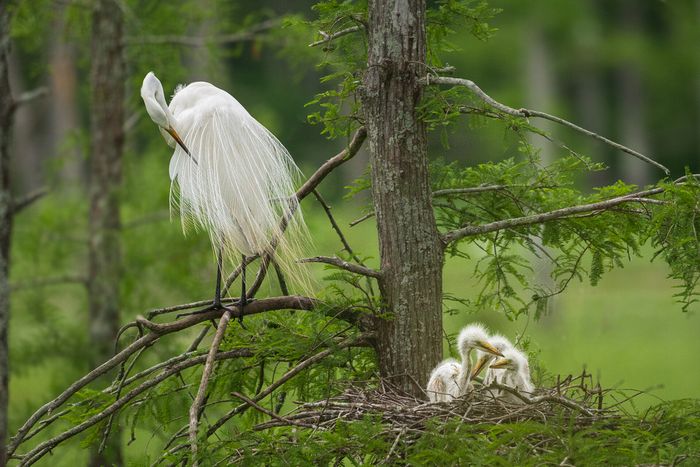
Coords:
pixel 171 131
pixel 500 363
pixel 489 348
pixel 479 366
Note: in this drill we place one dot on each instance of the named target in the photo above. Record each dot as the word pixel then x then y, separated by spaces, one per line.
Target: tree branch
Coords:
pixel 330 37
pixel 337 262
pixel 472 230
pixel 246 35
pixel 27 200
pixel 270 413
pixel 307 188
pixel 29 96
pixel 204 382
pixel 525 113
pixel 43 448
pixel 47 282
pixel 363 340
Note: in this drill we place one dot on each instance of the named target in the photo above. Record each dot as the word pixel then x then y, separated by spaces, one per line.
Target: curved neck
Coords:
pixel 466 368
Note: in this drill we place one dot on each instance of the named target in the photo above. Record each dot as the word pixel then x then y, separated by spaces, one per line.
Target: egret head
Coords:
pixel 513 360
pixel 154 99
pixel 475 336
pixel 500 343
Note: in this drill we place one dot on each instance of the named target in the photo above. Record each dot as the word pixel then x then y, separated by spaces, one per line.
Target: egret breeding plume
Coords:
pixel 516 373
pixel 443 385
pixel 484 359
pixel 472 337
pixel 229 175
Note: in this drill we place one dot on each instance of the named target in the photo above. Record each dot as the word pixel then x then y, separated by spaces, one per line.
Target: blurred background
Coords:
pixel 627 69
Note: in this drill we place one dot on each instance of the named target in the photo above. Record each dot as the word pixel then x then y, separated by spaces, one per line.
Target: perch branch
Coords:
pixel 157 330
pixel 339 263
pixel 43 448
pixel 526 113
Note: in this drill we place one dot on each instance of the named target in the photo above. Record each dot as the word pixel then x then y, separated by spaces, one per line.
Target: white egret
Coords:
pixel 472 337
pixel 229 175
pixel 443 385
pixel 516 373
pixel 484 359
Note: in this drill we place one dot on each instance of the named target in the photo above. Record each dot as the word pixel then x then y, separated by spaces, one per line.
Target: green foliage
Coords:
pixel 669 432
pixel 675 235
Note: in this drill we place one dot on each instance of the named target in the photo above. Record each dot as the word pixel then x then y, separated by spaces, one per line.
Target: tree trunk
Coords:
pixel 6 111
pixel 409 341
pixel 541 95
pixel 107 77
pixel 632 109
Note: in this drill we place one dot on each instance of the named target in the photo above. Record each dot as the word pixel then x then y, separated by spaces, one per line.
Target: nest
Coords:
pixel 574 397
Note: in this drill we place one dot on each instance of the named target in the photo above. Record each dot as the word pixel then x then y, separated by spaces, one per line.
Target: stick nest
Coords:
pixel 573 397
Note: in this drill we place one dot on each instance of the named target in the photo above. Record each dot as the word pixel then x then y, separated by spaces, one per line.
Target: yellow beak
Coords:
pixel 171 131
pixel 479 366
pixel 500 363
pixel 489 348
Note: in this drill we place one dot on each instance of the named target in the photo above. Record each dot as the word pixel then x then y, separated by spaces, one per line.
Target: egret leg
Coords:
pixel 216 303
pixel 244 294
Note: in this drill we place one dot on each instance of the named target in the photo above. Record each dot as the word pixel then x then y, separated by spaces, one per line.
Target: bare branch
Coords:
pixel 204 382
pixel 363 340
pixel 328 166
pixel 472 230
pixel 43 448
pixel 526 113
pixel 47 282
pixel 470 190
pixel 330 37
pixel 307 188
pixel 362 219
pixel 29 96
pixel 272 414
pixel 27 200
pixel 337 262
pixel 246 35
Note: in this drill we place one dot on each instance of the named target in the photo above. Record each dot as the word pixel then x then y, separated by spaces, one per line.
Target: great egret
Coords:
pixel 443 385
pixel 516 373
pixel 229 175
pixel 472 337
pixel 484 359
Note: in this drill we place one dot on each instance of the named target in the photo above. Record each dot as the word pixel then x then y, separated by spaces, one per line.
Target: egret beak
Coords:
pixel 171 131
pixel 483 345
pixel 500 363
pixel 480 364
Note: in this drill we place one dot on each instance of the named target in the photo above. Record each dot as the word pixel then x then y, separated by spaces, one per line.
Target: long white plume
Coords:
pixel 243 182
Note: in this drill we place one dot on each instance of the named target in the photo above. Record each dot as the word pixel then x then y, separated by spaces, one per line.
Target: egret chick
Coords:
pixel 472 337
pixel 484 359
pixel 443 385
pixel 516 373
pixel 229 175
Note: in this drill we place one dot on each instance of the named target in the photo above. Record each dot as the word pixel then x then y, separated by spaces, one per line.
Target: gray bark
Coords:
pixel 6 111
pixel 107 78
pixel 409 342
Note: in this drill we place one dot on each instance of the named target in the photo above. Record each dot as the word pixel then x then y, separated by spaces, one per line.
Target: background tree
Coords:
pixel 490 206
